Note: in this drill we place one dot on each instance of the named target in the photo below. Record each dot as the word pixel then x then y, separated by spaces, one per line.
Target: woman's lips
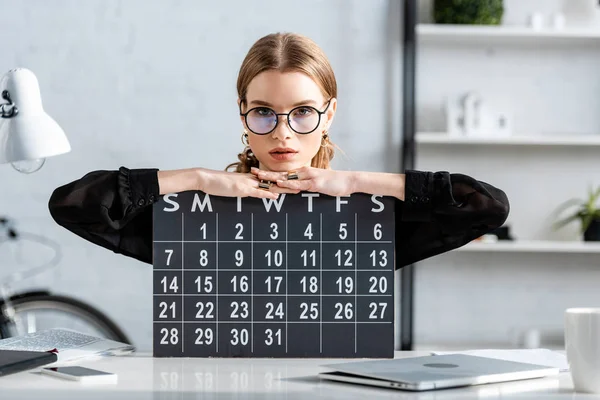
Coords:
pixel 283 154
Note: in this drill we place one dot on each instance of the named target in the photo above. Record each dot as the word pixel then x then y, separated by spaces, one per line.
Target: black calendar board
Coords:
pixel 306 275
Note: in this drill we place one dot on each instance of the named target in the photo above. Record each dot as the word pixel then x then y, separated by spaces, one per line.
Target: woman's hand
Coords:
pixel 234 184
pixel 326 181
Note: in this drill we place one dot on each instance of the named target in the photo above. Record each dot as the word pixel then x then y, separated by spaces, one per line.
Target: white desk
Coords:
pixel 144 377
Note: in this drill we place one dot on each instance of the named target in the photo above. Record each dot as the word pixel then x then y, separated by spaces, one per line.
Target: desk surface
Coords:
pixel 143 377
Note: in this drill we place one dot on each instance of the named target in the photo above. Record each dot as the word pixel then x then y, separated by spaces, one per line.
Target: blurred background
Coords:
pixel 510 96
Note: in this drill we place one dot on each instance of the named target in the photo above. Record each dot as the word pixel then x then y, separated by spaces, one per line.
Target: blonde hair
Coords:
pixel 286 52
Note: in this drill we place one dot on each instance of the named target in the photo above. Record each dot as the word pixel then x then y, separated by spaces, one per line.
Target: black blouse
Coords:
pixel 441 211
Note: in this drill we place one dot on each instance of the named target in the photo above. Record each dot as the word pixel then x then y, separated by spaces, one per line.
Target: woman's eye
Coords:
pixel 263 112
pixel 303 111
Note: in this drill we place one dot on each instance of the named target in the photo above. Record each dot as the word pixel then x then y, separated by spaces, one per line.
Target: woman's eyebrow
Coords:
pixel 267 104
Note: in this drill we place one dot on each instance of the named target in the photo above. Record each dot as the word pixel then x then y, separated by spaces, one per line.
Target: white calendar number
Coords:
pixel 273 337
pixel 312 284
pixel 172 286
pixel 274 233
pixel 239 310
pixel 378 285
pixel 343 230
pixel 169 337
pixel 344 311
pixel 312 256
pixel 203 230
pixel 204 336
pixel 239 258
pixel 205 310
pixel 382 258
pixel 345 285
pixel 239 337
pixel 377 234
pixel 274 257
pixel 377 310
pixel 204 285
pixel 169 253
pixel 239 283
pixel 348 257
pixel 309 312
pixel 308 231
pixel 165 307
pixel 273 311
pixel 203 258
pixel 273 282
pixel 240 229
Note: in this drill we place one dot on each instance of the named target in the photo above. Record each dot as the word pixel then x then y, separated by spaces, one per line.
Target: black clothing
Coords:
pixel 441 211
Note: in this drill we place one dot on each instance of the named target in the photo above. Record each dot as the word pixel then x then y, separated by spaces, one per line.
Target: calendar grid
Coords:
pixel 231 306
pixel 287 311
pixel 321 283
pixel 355 283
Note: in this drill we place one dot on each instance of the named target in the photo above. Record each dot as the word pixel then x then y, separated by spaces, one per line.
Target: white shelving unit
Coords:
pixel 532 140
pixel 507 61
pixel 532 246
pixel 481 34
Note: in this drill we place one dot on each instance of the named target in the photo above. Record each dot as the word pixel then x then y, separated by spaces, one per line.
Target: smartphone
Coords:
pixel 81 374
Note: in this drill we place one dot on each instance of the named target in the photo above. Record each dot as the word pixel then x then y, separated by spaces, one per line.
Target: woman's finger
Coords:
pixel 297 185
pixel 271 176
pixel 279 189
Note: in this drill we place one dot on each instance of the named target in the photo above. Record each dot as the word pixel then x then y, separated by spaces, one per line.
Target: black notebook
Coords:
pixel 12 361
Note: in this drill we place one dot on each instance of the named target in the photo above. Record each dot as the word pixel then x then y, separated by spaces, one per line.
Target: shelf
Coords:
pixel 538 140
pixel 486 34
pixel 533 246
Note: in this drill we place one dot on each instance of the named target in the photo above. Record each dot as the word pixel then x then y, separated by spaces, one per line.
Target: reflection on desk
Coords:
pixel 144 377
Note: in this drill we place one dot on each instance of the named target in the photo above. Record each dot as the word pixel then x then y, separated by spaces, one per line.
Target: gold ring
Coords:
pixel 292 175
pixel 264 185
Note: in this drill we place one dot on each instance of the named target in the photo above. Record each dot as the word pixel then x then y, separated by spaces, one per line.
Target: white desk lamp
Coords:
pixel 27 134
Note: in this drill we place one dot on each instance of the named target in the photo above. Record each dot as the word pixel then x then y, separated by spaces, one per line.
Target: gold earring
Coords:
pixel 245 136
pixel 325 139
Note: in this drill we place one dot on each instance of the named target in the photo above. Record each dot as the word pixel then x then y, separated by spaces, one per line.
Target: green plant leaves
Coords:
pixel 476 12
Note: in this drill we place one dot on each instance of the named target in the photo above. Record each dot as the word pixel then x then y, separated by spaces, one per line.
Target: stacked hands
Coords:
pixel 326 181
pixel 268 184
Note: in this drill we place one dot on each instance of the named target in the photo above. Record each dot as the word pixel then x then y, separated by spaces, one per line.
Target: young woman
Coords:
pixel 287 99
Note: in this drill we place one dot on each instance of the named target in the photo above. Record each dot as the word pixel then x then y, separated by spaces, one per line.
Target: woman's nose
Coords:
pixel 282 130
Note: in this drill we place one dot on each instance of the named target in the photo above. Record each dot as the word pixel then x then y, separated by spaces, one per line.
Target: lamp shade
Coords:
pixel 29 134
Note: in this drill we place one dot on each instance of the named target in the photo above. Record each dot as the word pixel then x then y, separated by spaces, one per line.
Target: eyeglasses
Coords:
pixel 302 120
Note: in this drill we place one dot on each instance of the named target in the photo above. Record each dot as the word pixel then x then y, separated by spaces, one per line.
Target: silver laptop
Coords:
pixel 434 372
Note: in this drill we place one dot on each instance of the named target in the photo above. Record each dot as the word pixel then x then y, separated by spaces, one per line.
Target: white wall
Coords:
pixel 550 89
pixel 152 84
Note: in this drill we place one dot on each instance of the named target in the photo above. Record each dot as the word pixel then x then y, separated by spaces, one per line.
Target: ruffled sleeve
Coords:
pixel 110 209
pixel 443 211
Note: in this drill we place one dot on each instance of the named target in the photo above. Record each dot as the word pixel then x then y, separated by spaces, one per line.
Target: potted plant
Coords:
pixel 474 12
pixel 587 211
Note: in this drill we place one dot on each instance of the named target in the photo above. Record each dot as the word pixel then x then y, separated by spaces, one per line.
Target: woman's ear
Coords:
pixel 330 113
pixel 239 103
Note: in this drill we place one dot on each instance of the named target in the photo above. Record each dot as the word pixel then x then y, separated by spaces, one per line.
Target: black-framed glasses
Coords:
pixel 303 119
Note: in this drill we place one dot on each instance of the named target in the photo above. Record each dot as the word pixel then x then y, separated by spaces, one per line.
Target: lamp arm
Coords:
pixel 8 110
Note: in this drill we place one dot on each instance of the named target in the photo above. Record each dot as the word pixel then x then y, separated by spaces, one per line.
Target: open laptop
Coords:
pixel 434 372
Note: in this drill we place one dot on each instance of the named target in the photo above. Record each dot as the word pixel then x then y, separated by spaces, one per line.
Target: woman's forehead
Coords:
pixel 283 89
